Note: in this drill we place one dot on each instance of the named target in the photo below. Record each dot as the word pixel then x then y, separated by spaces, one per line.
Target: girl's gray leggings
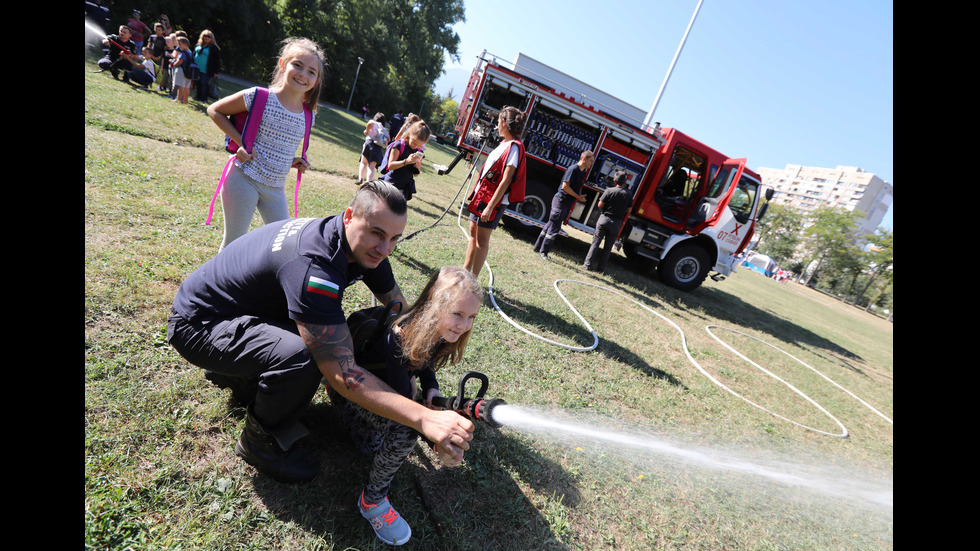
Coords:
pixel 241 196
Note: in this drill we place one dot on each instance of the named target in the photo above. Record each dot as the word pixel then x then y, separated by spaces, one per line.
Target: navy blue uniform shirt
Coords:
pixel 294 269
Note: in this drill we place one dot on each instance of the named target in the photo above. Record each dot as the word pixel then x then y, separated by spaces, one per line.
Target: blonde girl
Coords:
pixel 430 335
pixel 258 178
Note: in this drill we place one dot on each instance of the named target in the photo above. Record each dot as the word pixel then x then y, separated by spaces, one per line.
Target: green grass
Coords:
pixel 160 469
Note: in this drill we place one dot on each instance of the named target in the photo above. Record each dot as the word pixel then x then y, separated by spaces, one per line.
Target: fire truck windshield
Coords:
pixel 743 198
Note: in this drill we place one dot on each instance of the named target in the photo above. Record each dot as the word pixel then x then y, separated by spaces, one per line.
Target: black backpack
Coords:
pixel 367 328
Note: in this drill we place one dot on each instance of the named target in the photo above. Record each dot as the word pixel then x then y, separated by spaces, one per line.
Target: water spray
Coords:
pixel 477 408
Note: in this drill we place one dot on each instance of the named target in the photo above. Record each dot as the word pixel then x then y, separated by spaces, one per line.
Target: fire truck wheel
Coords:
pixel 684 267
pixel 537 202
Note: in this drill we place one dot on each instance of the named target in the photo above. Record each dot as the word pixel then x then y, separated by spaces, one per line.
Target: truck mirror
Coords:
pixel 762 211
pixel 769 193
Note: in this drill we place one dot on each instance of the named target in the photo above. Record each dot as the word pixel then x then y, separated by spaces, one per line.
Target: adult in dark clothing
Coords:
pixel 615 205
pixel 122 52
pixel 563 201
pixel 207 57
pixel 265 318
pixel 397 120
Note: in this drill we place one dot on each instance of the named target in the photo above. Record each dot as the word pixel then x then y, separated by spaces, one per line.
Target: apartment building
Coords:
pixel 805 188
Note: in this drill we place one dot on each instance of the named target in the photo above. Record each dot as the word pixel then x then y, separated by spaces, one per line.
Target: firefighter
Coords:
pixel 615 204
pixel 563 201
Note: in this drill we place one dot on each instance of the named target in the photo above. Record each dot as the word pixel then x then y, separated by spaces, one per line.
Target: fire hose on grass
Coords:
pixel 485 415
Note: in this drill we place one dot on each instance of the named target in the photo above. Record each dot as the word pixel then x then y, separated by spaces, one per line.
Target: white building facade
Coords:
pixel 806 188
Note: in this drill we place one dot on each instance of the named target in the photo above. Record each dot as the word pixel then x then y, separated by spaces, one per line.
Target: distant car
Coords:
pixel 449 138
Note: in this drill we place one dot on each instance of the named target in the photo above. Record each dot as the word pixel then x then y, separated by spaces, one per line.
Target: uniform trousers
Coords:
pixel 559 212
pixel 608 229
pixel 250 347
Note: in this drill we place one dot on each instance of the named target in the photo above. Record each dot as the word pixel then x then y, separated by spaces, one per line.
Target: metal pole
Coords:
pixel 360 60
pixel 646 122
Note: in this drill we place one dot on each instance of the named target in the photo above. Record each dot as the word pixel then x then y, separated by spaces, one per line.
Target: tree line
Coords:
pixel 821 250
pixel 403 43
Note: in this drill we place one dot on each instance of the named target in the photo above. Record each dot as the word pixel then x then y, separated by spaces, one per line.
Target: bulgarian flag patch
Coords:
pixel 322 287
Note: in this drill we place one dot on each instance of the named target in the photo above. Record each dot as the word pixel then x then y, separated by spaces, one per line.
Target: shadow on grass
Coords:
pixel 479 505
pixel 571 334
pixel 719 305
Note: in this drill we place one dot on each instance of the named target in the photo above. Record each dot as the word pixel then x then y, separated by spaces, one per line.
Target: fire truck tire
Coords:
pixel 537 202
pixel 684 267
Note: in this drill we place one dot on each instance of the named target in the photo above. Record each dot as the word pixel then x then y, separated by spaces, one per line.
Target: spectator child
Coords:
pixel 182 61
pixel 373 151
pixel 257 179
pixel 166 71
pixel 158 47
pixel 405 158
pixel 142 73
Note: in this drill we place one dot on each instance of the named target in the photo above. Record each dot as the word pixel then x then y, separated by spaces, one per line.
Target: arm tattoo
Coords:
pixel 332 343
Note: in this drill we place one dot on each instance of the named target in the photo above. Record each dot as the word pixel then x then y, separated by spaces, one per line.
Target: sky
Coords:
pixel 775 81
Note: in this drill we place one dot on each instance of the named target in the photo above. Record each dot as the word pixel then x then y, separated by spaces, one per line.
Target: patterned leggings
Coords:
pixel 390 442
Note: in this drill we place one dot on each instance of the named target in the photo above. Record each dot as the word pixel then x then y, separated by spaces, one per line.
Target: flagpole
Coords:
pixel 646 122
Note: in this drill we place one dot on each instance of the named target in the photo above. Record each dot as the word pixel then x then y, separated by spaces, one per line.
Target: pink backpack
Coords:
pixel 248 126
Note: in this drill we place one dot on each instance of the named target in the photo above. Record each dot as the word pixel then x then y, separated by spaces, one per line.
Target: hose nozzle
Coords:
pixel 477 408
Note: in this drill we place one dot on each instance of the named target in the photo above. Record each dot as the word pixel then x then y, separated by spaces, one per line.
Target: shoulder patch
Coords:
pixel 322 286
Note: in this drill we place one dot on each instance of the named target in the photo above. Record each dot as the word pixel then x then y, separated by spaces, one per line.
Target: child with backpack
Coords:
pixel 431 334
pixel 182 70
pixel 257 178
pixel 403 158
pixel 372 152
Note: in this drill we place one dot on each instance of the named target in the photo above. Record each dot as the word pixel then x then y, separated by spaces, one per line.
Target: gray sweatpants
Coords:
pixel 241 196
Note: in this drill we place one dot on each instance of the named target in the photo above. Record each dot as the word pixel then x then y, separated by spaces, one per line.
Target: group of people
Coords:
pixel 614 205
pixel 264 317
pixel 396 151
pixel 164 57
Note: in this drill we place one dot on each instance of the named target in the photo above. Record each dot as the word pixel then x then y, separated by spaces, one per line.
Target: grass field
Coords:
pixel 697 470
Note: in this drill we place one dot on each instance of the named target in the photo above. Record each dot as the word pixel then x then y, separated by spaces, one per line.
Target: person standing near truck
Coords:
pixel 615 204
pixel 563 201
pixel 502 178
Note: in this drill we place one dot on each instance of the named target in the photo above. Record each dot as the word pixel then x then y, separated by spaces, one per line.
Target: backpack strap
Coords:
pixel 383 168
pixel 308 115
pixel 249 131
pixel 248 137
pixel 258 108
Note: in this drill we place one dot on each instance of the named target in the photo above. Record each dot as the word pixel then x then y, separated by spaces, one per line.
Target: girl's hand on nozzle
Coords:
pixel 429 395
pixel 447 459
pixel 243 155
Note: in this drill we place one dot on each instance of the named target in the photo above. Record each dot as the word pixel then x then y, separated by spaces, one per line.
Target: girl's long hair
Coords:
pixel 290 48
pixel 420 343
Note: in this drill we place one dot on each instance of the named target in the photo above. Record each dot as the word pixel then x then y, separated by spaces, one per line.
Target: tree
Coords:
pixel 779 232
pixel 444 112
pixel 830 234
pixel 881 256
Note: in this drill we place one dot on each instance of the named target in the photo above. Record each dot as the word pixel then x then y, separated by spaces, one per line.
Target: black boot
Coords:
pixel 242 390
pixel 261 450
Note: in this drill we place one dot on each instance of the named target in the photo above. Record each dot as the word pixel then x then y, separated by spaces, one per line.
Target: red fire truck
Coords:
pixel 694 209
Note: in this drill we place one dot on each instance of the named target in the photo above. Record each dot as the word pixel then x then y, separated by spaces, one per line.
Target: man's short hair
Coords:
pixel 378 191
pixel 620 178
